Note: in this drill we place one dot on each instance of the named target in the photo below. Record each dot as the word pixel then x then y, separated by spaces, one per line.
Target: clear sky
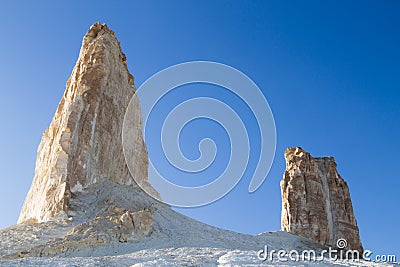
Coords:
pixel 329 69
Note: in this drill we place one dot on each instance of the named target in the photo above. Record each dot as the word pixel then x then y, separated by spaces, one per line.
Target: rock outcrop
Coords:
pixel 83 146
pixel 316 202
pixel 85 205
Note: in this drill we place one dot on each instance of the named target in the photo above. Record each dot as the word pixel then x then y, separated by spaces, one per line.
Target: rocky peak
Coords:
pixel 82 146
pixel 316 200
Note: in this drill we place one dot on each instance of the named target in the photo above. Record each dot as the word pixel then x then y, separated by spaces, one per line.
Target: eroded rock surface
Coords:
pixel 316 201
pixel 82 183
pixel 83 146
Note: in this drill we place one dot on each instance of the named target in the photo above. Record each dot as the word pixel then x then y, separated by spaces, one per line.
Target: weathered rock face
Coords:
pixel 83 146
pixel 316 201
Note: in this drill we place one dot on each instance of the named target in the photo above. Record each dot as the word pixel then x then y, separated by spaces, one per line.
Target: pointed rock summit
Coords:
pixel 82 147
pixel 316 201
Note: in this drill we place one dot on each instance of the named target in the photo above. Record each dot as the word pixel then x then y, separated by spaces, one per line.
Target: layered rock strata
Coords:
pixel 82 146
pixel 316 201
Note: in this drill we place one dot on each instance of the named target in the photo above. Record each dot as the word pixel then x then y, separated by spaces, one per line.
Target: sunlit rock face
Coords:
pixel 83 145
pixel 316 201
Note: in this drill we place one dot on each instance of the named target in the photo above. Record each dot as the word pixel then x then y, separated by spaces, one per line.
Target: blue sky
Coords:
pixel 329 70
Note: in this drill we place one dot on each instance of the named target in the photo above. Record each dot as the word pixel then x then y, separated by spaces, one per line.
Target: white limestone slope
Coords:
pixel 186 256
pixel 175 240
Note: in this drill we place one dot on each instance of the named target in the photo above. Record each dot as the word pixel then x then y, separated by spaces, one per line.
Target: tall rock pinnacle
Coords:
pixel 82 146
pixel 316 201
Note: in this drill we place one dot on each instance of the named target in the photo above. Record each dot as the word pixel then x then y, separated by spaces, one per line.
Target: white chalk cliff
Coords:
pixel 82 146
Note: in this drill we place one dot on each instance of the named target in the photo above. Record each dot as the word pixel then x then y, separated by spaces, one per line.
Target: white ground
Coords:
pixel 175 241
pixel 179 257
